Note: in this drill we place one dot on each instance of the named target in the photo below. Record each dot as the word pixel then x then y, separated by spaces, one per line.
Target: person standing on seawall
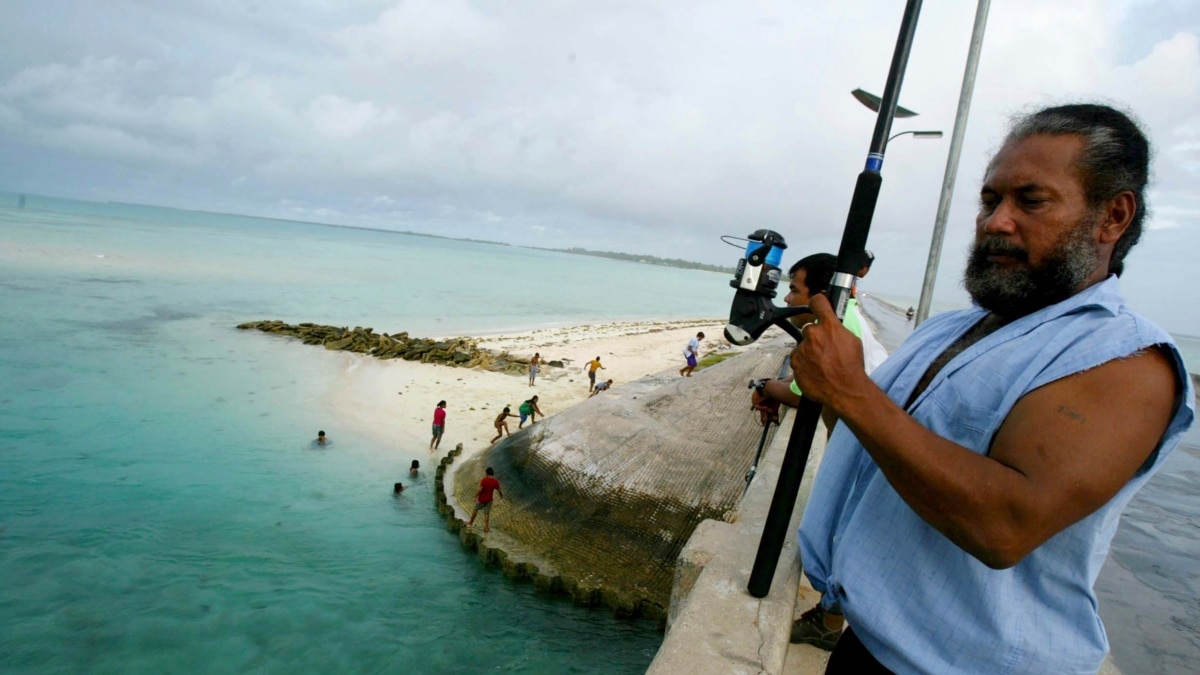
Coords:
pixel 809 276
pixel 601 386
pixel 969 494
pixel 501 423
pixel 484 498
pixel 529 410
pixel 864 268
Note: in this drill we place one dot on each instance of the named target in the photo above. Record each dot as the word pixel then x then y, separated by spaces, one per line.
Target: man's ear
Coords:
pixel 1118 214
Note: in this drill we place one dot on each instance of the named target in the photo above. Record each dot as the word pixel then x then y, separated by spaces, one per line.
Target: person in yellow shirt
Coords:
pixel 591 367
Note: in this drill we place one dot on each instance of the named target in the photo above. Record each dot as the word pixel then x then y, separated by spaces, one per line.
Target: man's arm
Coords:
pixel 1063 451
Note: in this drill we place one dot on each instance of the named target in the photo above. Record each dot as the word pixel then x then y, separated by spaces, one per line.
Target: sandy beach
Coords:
pixel 393 400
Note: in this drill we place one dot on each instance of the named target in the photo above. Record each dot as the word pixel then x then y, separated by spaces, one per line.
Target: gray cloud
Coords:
pixel 648 126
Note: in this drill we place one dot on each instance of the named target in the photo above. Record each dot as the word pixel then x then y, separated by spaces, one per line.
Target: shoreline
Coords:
pixel 392 401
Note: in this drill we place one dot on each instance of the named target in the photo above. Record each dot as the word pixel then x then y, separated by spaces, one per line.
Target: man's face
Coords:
pixel 798 296
pixel 1036 240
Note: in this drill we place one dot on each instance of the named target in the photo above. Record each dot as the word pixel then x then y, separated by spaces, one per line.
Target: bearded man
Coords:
pixel 967 498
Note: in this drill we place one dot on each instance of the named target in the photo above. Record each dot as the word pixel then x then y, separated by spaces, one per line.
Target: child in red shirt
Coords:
pixel 484 498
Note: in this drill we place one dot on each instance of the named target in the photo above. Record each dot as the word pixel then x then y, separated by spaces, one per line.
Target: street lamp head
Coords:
pixel 873 102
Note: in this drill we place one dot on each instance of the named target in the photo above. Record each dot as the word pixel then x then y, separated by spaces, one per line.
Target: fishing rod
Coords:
pixel 762 442
pixel 752 311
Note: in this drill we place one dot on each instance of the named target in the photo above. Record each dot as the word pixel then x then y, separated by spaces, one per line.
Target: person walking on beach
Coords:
pixel 591 367
pixel 501 423
pixel 973 484
pixel 529 409
pixel 909 314
pixel 603 386
pixel 484 498
pixel 439 425
pixel 533 367
pixel 692 354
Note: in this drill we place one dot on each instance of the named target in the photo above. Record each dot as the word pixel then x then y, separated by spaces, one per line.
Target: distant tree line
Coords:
pixel 629 257
pixel 647 259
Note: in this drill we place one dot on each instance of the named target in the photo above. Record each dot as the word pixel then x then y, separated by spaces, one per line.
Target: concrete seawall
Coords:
pixel 715 625
pixel 599 499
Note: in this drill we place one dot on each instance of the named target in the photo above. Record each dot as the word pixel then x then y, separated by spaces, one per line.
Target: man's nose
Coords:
pixel 1001 220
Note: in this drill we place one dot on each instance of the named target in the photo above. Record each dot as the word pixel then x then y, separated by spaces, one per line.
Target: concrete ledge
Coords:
pixel 714 624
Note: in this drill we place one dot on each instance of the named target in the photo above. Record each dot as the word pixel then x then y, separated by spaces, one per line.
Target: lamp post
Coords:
pixel 960 129
pixel 872 101
pixel 918 134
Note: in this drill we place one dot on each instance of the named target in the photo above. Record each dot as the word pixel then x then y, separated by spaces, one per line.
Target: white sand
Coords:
pixel 393 400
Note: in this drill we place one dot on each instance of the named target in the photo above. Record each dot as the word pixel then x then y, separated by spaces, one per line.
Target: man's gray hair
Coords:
pixel 1115 158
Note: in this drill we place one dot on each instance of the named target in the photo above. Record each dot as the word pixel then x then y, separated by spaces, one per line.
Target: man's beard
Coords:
pixel 1015 292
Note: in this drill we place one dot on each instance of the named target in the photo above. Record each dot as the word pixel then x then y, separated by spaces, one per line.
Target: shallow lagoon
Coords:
pixel 161 506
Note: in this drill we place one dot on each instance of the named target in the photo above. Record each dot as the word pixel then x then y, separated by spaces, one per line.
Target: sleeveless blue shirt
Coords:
pixel 916 600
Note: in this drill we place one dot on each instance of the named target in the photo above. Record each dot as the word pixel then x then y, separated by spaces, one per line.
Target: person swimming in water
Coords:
pixel 414 470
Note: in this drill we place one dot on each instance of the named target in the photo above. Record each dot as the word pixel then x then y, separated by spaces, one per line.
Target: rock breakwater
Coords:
pixel 462 351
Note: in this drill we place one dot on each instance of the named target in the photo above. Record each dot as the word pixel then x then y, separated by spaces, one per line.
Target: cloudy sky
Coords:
pixel 642 126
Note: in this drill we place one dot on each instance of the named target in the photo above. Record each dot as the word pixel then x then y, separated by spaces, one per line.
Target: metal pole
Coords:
pixel 960 129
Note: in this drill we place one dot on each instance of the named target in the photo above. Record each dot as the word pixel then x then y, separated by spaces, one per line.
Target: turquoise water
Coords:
pixel 161 507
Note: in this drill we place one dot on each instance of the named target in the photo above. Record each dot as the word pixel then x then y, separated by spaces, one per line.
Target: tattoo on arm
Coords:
pixel 1073 414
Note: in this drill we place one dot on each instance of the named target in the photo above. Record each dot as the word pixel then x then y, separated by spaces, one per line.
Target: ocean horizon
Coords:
pixel 162 506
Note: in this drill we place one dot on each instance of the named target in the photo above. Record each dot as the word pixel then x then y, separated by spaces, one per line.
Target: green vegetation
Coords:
pixel 714 359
